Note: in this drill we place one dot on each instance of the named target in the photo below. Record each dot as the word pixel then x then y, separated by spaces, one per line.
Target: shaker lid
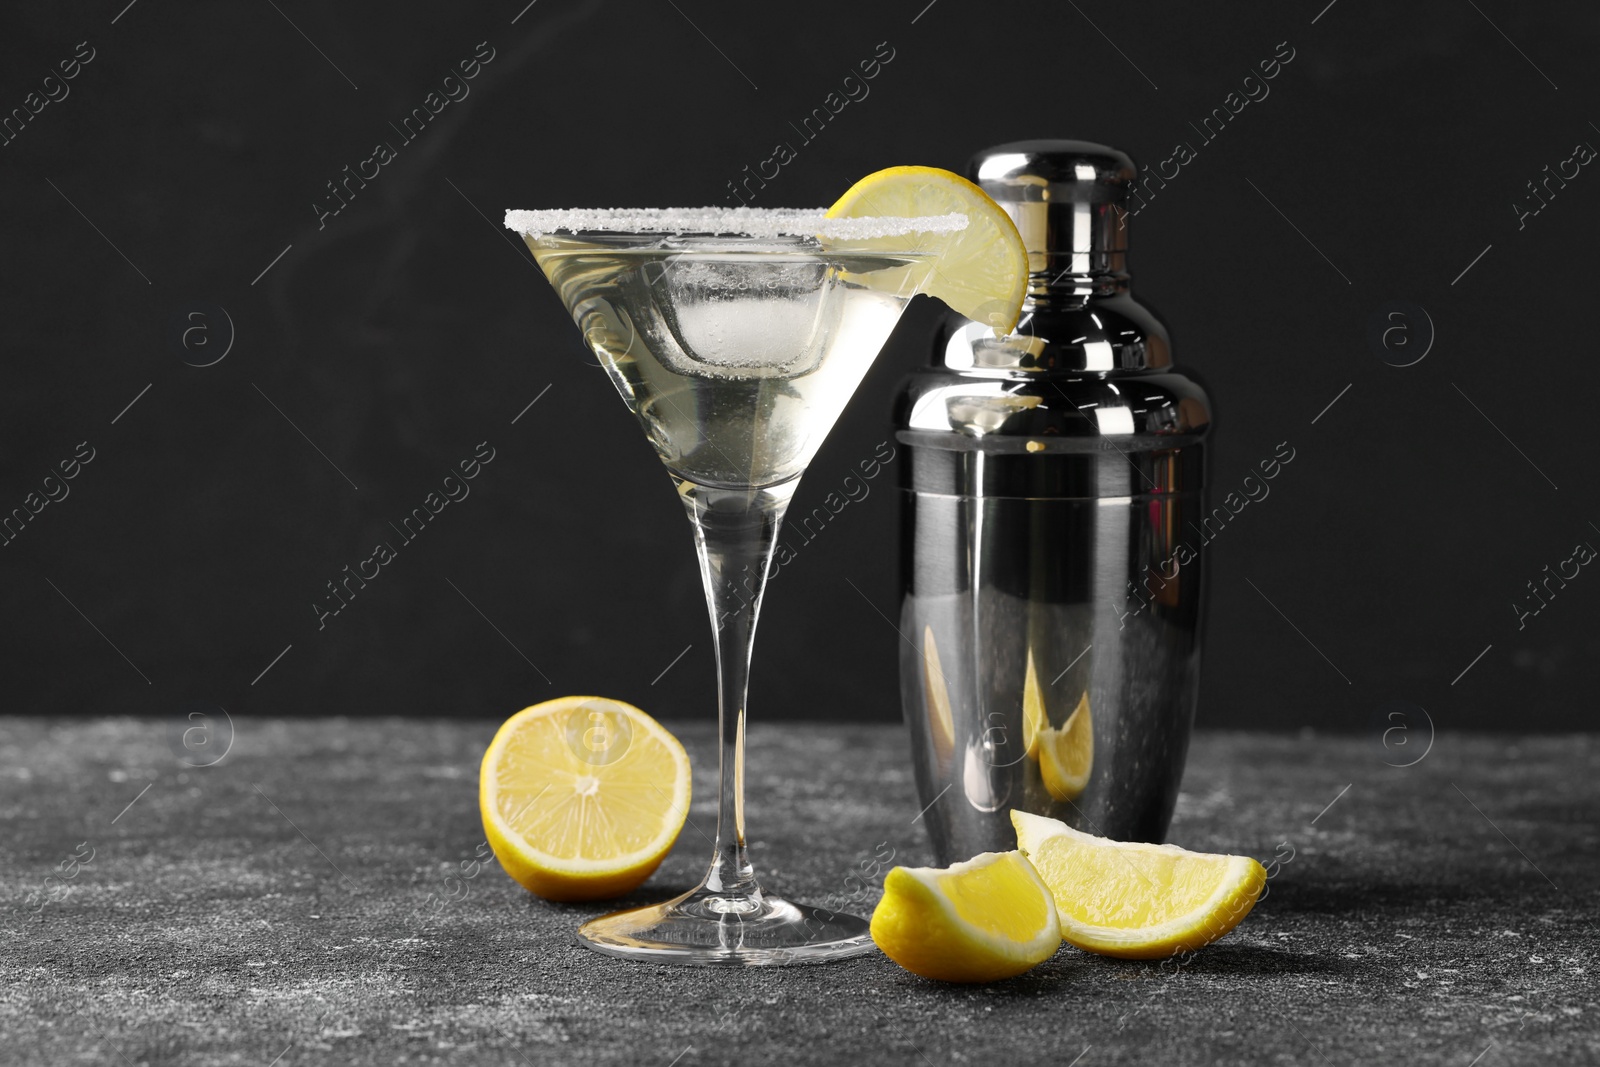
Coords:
pixel 1067 199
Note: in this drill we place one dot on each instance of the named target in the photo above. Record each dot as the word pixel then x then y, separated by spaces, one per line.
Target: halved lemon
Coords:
pixel 980 272
pixel 582 797
pixel 988 918
pixel 1066 756
pixel 1134 900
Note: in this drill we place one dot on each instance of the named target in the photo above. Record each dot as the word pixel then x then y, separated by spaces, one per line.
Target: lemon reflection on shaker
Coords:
pixel 941 724
pixel 1034 717
pixel 1066 756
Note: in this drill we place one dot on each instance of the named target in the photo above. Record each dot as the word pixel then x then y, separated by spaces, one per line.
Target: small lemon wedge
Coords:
pixel 988 918
pixel 1135 900
pixel 980 272
pixel 1066 756
pixel 582 797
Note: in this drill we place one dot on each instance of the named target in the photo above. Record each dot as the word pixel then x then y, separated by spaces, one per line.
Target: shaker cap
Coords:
pixel 1067 199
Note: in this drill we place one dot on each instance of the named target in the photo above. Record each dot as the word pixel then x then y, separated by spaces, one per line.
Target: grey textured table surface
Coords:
pixel 292 905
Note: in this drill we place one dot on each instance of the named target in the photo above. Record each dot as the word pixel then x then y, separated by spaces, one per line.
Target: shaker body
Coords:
pixel 1049 607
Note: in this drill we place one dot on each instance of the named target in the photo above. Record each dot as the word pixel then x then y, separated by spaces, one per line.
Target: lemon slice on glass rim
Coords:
pixel 980 271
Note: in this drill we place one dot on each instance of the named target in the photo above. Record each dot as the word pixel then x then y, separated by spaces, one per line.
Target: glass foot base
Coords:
pixel 703 929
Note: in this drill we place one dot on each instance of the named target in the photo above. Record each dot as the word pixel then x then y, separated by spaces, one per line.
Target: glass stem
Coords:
pixel 735 531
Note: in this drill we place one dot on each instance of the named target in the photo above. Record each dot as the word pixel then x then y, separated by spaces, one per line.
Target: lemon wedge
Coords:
pixel 582 797
pixel 988 918
pixel 1066 756
pixel 1134 900
pixel 980 272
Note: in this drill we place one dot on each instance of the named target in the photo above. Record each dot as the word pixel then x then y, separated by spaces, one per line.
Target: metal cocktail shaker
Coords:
pixel 1053 506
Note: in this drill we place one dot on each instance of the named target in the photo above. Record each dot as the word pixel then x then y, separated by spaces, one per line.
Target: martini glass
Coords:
pixel 736 337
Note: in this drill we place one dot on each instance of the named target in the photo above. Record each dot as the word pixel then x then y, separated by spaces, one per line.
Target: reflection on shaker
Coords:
pixel 1066 756
pixel 941 725
pixel 1034 717
pixel 987 785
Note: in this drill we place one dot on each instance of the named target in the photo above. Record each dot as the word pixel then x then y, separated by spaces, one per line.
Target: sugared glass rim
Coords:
pixel 737 221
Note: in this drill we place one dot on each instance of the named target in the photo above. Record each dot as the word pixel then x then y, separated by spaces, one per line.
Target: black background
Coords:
pixel 411 328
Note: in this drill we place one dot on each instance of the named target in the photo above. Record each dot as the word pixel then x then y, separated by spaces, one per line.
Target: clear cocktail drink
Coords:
pixel 737 339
